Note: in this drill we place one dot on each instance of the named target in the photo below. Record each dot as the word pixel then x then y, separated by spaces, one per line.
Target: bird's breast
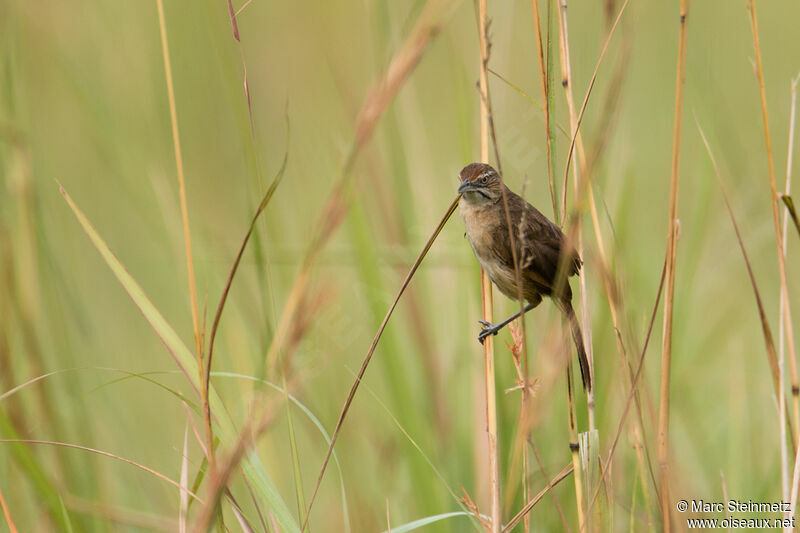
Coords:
pixel 482 227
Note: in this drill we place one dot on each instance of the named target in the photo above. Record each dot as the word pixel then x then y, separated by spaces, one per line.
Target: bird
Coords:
pixel 540 245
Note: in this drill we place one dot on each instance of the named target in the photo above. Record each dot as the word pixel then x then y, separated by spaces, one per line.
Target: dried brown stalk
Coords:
pixel 546 109
pixel 376 102
pixel 634 386
pixel 783 324
pixel 486 284
pixel 219 477
pixel 528 506
pixel 371 351
pixel 669 297
pixel 173 114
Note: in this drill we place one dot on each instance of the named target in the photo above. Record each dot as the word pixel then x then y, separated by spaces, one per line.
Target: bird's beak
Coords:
pixel 466 186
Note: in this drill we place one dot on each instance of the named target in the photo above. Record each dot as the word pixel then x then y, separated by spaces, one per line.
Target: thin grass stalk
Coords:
pixel 784 324
pixel 773 192
pixel 669 297
pixel 552 494
pixel 545 98
pixel 787 325
pixel 528 506
pixel 612 296
pixel 634 386
pixel 12 528
pixel 486 285
pixel 782 412
pixel 379 97
pixel 264 273
pixel 574 448
pixel 487 123
pixel 298 478
pixel 206 378
pixel 581 180
pixel 550 103
pixel 724 487
pixel 573 444
pixel 775 363
pixel 116 515
pixel 217 485
pixel 368 357
pixel 795 482
pixel 183 508
pixel 187 239
pixel 638 434
pixel 543 79
pixel 106 454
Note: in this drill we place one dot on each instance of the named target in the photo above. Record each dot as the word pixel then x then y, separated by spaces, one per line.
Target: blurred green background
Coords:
pixel 83 103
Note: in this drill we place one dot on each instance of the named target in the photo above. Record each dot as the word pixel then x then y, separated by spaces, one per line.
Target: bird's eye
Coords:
pixel 484 179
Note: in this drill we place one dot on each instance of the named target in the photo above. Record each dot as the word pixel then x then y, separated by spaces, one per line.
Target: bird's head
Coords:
pixel 480 184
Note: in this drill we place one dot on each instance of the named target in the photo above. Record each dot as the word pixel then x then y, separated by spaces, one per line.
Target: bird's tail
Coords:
pixel 577 336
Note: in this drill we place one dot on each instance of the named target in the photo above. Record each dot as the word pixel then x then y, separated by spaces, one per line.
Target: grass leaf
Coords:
pixel 787 200
pixel 254 469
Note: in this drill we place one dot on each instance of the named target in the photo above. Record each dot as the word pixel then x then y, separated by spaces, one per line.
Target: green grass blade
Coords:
pixel 43 487
pixel 314 420
pixel 422 522
pixel 787 200
pixel 183 357
pixel 175 346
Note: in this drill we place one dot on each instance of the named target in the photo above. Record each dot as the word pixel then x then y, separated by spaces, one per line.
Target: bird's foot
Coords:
pixel 488 329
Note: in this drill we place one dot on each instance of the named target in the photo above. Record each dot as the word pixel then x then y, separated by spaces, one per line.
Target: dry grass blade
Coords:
pixel 7 514
pixel 473 508
pixel 785 330
pixel 574 235
pixel 179 352
pixel 184 498
pixel 376 102
pixel 634 385
pixel 579 121
pixel 795 481
pixel 669 298
pixel 528 506
pixel 173 114
pixel 224 297
pixel 370 352
pixel 558 507
pixel 219 477
pixel 784 288
pixel 772 357
pixel 529 98
pixel 126 518
pixel 106 454
pixel 234 25
pixel 31 381
pixel 543 79
pixel 403 63
pixel 487 129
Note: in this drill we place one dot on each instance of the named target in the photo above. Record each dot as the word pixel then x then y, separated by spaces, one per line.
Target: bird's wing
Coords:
pixel 540 243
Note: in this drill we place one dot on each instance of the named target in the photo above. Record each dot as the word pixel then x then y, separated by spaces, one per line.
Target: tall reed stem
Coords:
pixel 785 311
pixel 176 141
pixel 577 476
pixel 486 284
pixel 672 241
pixel 786 325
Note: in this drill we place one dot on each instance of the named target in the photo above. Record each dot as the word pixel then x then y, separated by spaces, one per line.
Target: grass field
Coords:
pixel 354 119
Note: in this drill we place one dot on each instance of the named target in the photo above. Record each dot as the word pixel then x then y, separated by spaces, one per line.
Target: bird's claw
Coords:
pixel 488 329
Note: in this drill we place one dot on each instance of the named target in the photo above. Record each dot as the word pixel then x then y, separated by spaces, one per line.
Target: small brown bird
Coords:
pixel 539 244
